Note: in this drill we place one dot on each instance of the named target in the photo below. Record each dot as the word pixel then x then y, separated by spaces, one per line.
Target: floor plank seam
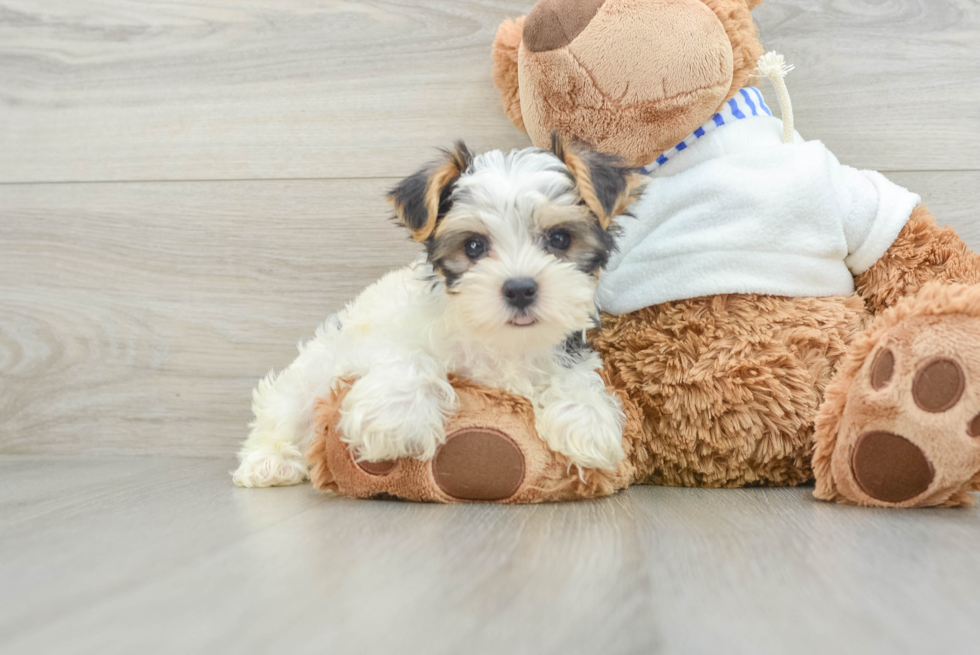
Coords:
pixel 342 179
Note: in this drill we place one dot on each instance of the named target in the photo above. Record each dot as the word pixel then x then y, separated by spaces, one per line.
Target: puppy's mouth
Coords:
pixel 522 321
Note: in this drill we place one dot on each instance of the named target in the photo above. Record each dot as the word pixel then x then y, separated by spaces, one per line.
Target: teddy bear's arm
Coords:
pixel 922 252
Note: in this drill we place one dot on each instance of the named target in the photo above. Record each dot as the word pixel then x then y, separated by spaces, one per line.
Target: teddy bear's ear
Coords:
pixel 423 198
pixel 504 53
pixel 754 3
pixel 607 188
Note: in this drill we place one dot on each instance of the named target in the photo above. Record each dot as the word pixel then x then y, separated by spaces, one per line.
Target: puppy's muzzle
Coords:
pixel 520 291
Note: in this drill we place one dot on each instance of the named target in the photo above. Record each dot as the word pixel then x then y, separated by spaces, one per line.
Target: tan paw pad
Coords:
pixel 377 468
pixel 908 433
pixel 889 467
pixel 882 369
pixel 938 385
pixel 478 464
pixel 974 428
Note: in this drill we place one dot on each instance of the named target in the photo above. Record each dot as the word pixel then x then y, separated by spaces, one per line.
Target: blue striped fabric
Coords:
pixel 747 103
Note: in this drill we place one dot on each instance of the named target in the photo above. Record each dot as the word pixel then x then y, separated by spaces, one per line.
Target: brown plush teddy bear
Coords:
pixel 751 387
pixel 772 317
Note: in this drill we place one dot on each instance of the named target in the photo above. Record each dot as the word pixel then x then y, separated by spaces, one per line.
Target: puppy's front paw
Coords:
pixel 588 433
pixel 382 423
pixel 271 464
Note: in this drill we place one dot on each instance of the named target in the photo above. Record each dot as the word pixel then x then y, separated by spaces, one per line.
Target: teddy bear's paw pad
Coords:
pixel 377 468
pixel 478 464
pixel 974 428
pixel 882 369
pixel 938 385
pixel 909 430
pixel 890 468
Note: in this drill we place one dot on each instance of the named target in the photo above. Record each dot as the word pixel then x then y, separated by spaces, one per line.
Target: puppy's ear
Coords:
pixel 421 199
pixel 606 187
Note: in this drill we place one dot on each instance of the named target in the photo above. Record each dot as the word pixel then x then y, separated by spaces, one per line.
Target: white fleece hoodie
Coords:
pixel 733 209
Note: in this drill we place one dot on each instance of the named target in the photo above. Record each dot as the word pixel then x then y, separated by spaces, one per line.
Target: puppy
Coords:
pixel 514 243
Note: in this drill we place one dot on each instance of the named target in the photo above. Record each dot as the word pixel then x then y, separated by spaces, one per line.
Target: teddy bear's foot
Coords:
pixel 900 426
pixel 474 464
pixel 491 454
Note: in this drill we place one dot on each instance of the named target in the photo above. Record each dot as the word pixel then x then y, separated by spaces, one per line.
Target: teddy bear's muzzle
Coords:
pixel 673 66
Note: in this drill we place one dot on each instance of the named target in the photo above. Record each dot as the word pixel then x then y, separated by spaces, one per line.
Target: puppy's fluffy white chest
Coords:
pixel 408 307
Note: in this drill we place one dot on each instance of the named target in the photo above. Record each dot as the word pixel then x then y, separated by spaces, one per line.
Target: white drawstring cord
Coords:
pixel 773 66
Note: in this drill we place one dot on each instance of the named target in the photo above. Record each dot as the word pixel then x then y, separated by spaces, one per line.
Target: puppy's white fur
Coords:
pixel 405 333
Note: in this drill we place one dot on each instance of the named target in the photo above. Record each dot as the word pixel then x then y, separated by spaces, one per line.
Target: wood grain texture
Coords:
pixel 136 318
pixel 774 571
pixel 113 90
pixel 953 198
pixel 164 555
pixel 888 85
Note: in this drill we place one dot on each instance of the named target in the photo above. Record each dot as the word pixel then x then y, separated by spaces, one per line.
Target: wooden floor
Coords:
pixel 127 555
pixel 187 188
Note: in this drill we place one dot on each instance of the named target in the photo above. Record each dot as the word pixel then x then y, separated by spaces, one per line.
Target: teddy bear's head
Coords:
pixel 628 77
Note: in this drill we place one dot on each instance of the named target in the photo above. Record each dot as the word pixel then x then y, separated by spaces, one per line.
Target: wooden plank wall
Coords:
pixel 186 190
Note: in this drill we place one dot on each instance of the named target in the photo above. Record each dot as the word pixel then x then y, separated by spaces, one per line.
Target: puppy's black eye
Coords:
pixel 560 239
pixel 475 247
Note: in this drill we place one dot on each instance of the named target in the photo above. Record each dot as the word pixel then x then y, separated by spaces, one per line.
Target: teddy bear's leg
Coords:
pixel 923 252
pixel 727 386
pixel 889 431
pixel 900 425
pixel 491 454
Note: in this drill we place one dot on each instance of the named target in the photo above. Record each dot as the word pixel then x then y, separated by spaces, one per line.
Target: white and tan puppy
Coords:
pixel 514 244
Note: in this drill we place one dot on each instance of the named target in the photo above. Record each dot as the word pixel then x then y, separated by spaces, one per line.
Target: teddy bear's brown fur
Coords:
pixel 729 386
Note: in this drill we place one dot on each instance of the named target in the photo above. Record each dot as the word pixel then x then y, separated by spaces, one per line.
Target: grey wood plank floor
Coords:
pixel 162 555
pixel 187 189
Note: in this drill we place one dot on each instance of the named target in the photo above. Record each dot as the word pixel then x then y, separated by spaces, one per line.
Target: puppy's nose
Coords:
pixel 520 291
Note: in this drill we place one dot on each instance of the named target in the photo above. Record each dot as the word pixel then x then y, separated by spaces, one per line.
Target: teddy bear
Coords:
pixel 772 316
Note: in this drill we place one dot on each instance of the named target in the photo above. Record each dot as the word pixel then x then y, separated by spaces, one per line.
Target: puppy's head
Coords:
pixel 518 237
